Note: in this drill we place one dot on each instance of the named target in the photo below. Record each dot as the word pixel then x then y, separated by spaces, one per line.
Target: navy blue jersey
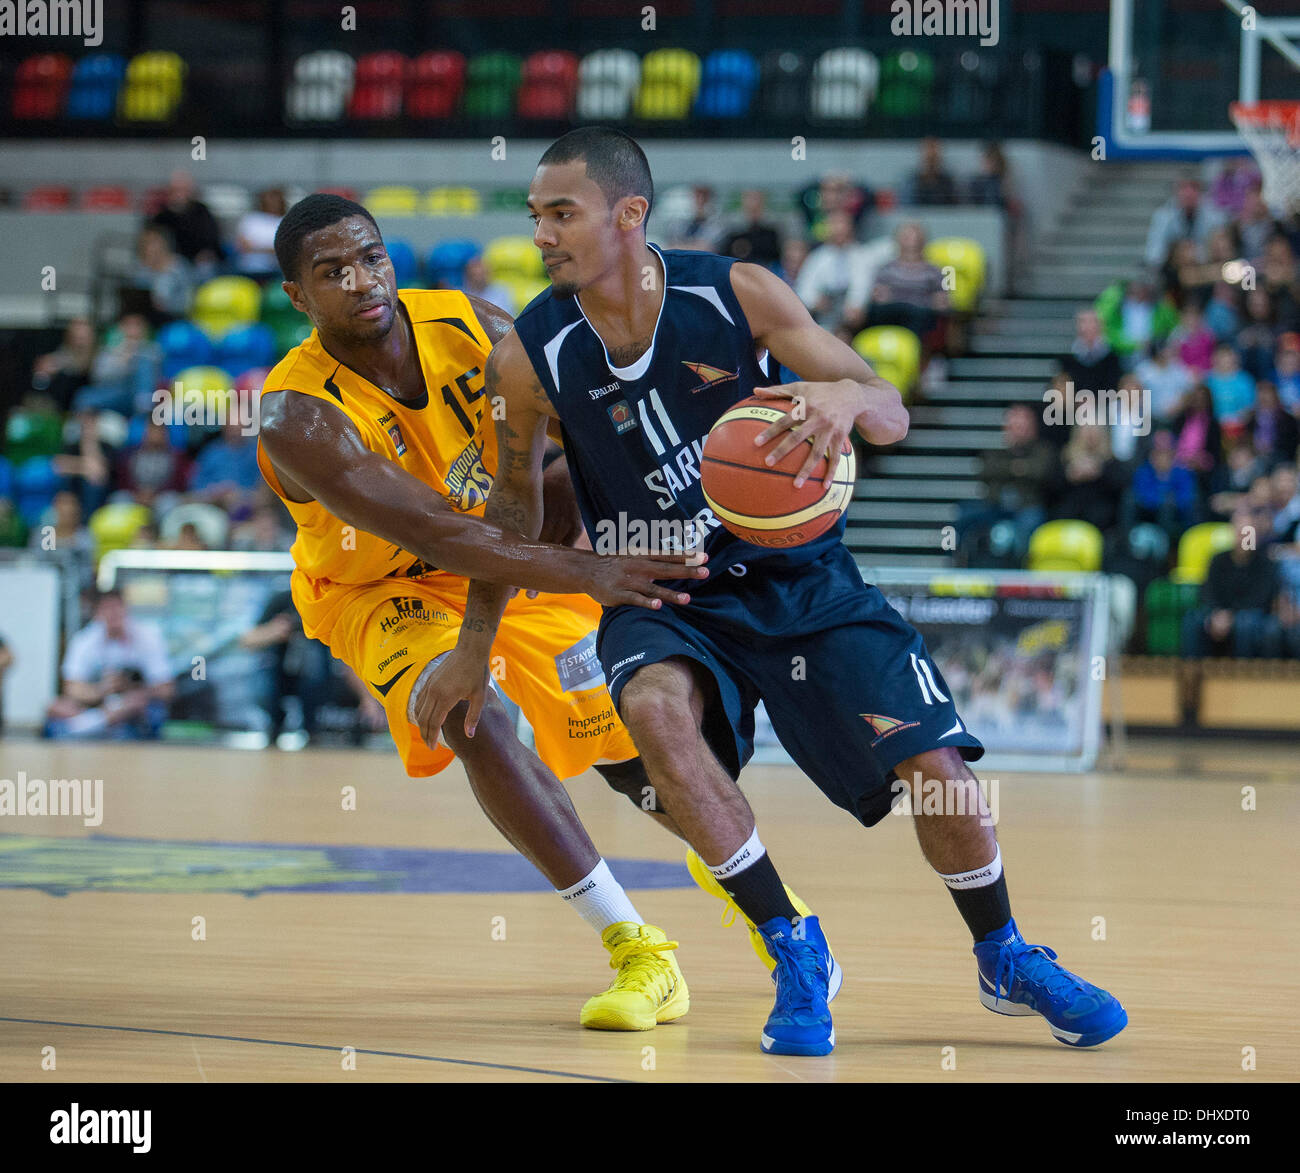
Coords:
pixel 634 435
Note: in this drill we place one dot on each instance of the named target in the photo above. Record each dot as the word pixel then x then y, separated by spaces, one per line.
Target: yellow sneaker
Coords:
pixel 648 989
pixel 704 878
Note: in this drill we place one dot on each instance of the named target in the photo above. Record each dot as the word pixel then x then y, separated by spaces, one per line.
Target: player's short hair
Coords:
pixel 311 214
pixel 615 161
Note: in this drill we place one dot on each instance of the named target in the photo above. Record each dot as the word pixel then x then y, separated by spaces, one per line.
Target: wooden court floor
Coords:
pixel 102 961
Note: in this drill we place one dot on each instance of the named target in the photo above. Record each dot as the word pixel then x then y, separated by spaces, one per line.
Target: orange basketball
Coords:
pixel 759 503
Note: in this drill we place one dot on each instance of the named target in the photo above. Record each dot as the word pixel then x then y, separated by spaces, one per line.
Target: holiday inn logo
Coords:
pixel 53 18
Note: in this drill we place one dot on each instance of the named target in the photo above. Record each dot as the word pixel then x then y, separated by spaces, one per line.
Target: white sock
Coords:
pixel 977 877
pixel 749 853
pixel 599 899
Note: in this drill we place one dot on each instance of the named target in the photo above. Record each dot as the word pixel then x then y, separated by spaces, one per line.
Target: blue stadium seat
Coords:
pixel 95 83
pixel 247 346
pixel 447 259
pixel 405 266
pixel 728 84
pixel 35 483
pixel 183 345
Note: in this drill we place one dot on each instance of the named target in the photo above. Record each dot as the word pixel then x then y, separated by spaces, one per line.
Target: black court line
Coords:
pixel 186 1034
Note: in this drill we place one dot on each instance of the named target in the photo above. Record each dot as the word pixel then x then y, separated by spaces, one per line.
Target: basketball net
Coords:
pixel 1272 132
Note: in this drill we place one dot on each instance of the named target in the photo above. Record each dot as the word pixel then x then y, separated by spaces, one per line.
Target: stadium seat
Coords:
pixel 252 381
pixel 783 86
pixel 41 87
pixel 844 81
pixel 491 81
pixel 971 87
pixel 1197 546
pixel 211 522
pixel 445 265
pixel 106 198
pixel 524 289
pixel 966 258
pixel 114 526
pixel 153 88
pixel 894 352
pixel 378 85
pixel 1065 545
pixel 906 82
pixel 549 85
pixel 728 80
pixel 1166 603
pixel 31 434
pixel 607 83
pixel 392 201
pixel 224 303
pixel 247 346
pixel 452 201
pixel 47 198
pixel 436 81
pixel 183 345
pixel 289 334
pixel 35 483
pixel 405 267
pixel 670 79
pixel 513 256
pixel 321 87
pixel 276 308
pixel 96 81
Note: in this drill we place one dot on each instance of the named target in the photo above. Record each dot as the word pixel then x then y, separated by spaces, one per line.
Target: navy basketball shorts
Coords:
pixel 848 684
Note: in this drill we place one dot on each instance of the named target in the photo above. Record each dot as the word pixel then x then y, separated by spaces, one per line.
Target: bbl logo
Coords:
pixel 396 433
pixel 622 416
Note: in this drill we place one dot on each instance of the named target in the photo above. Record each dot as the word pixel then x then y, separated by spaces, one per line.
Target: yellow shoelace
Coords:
pixel 639 949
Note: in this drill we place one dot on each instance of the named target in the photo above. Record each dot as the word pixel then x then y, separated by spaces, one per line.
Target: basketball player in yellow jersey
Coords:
pixel 373 435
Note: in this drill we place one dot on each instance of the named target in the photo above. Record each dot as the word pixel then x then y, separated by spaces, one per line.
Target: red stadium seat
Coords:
pixel 549 85
pixel 377 90
pixel 348 193
pixel 50 198
pixel 41 86
pixel 109 198
pixel 435 83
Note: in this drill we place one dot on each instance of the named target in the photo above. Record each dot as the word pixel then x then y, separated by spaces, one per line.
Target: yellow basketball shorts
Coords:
pixel 544 659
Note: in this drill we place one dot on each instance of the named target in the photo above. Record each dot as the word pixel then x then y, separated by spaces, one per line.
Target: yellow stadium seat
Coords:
pixel 216 387
pixel 966 259
pixel 1198 545
pixel 1065 545
pixel 894 353
pixel 513 256
pixel 524 289
pixel 669 81
pixel 114 526
pixel 153 87
pixel 453 201
pixel 225 303
pixel 392 201
pixel 672 65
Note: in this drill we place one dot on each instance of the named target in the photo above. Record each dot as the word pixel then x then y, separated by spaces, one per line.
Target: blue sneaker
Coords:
pixel 1017 978
pixel 807 977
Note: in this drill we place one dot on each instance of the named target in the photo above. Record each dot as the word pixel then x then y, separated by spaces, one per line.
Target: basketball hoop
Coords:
pixel 1272 132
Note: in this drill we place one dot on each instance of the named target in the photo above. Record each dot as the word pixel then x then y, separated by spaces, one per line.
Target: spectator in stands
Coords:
pixel 1061 391
pixel 834 192
pixel 931 184
pixel 226 471
pixel 1240 474
pixel 1238 603
pixel 835 275
pixel 1223 312
pixel 125 372
pixel 1195 340
pixel 1135 322
pixel 1200 440
pixel 1286 367
pixel 62 372
pixel 1181 273
pixel 1168 379
pixel 117 681
pixel 909 290
pixel 85 463
pixel 703 229
pixel 1164 491
pixel 794 252
pixel 1090 482
pixel 1185 217
pixel 265 530
pixel 1129 416
pixel 1090 363
pixel 475 280
pixel 255 235
pixel 1015 479
pixel 149 470
pixel 1257 339
pixel 164 279
pixel 991 184
pixel 62 528
pixel 189 224
pixel 1279 277
pixel 1255 226
pixel 1232 390
pixel 756 238
pixel 187 538
pixel 1235 180
pixel 1271 429
pixel 1285 490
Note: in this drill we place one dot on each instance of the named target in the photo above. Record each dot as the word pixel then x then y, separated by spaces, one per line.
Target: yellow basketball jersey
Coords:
pixel 442 439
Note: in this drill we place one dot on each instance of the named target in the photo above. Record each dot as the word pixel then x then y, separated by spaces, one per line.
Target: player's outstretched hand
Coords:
pixel 824 420
pixel 617 579
pixel 459 676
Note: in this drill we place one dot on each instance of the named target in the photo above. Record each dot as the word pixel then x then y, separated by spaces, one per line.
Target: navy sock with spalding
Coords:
pixel 981 898
pixel 750 879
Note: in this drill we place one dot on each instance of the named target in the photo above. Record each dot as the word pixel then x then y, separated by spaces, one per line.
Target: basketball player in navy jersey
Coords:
pixel 613 350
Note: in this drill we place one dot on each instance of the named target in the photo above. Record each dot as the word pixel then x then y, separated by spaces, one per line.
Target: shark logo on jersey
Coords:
pixel 621 414
pixel 468 481
pixel 712 376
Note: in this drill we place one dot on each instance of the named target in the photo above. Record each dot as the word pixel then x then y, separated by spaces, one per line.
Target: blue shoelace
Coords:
pixel 805 962
pixel 1038 964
